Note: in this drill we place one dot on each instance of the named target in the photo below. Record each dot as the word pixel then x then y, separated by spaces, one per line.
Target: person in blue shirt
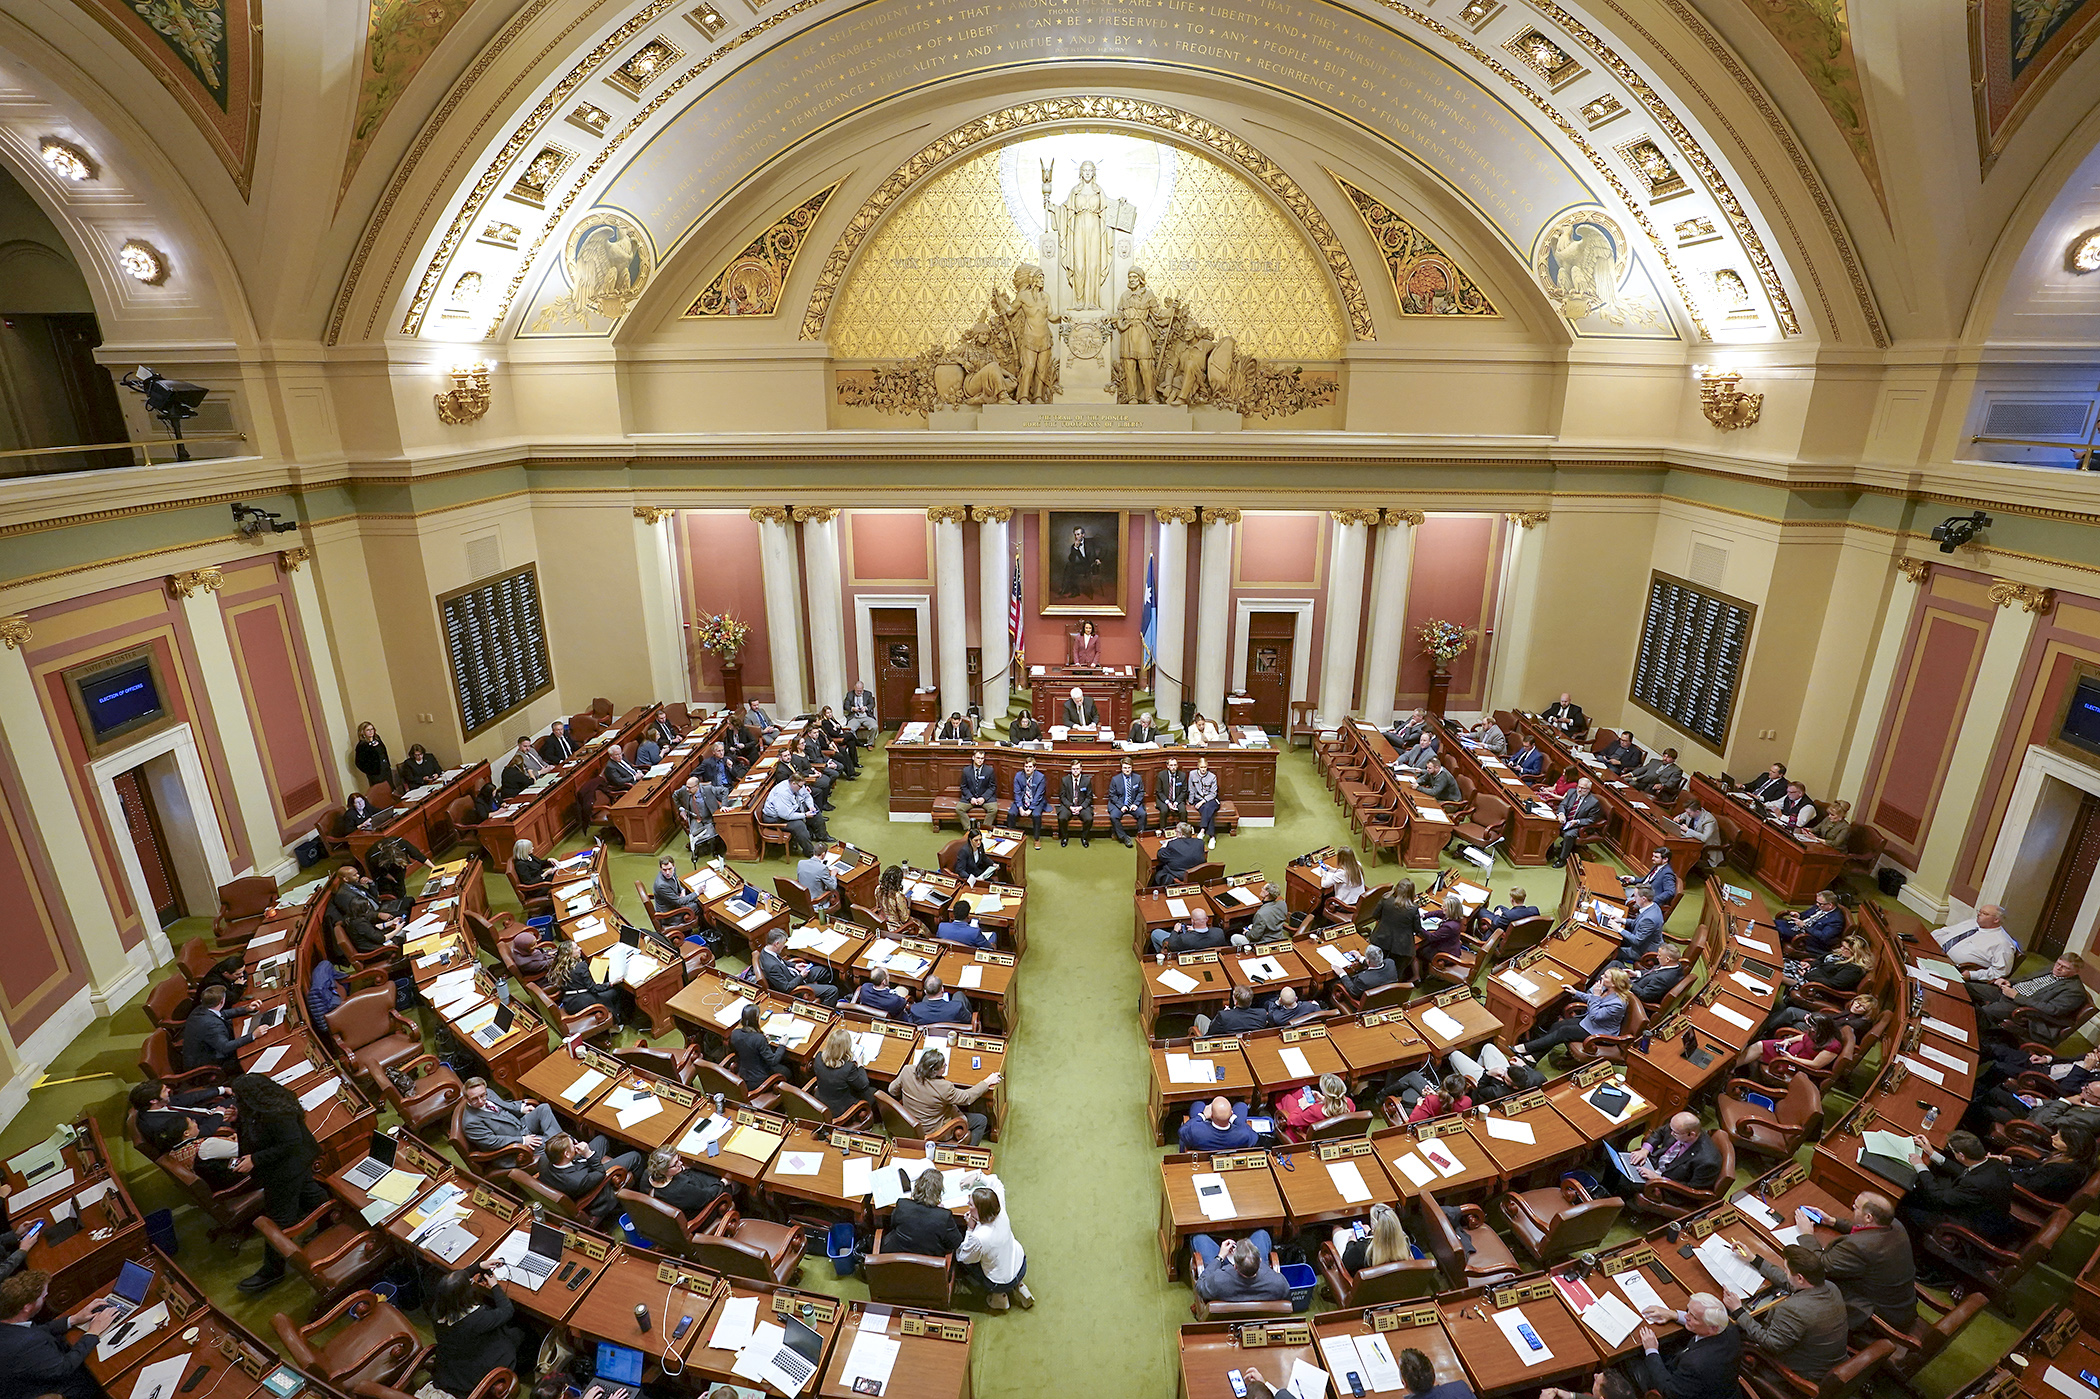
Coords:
pixel 1126 801
pixel 1518 909
pixel 1528 761
pixel 648 753
pixel 1822 925
pixel 1218 1126
pixel 1644 928
pixel 1660 880
pixel 960 927
pixel 1031 796
pixel 940 1006
pixel 878 995
pixel 325 992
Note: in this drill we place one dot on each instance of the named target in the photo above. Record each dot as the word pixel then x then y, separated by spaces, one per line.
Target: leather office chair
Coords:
pixel 800 1104
pixel 757 1250
pixel 373 1035
pixel 664 1061
pixel 1669 1199
pixel 529 1185
pixel 1205 1310
pixel 160 1052
pixel 711 1076
pixel 487 1163
pixel 1559 1222
pixel 1610 1048
pixel 535 899
pixel 1994 1268
pixel 1765 1378
pixel 899 1124
pixel 665 1228
pixel 593 1022
pixel 1393 993
pixel 496 1384
pixel 168 1004
pixel 908 1279
pixel 1491 1261
pixel 1342 1127
pixel 1776 1132
pixel 232 1210
pixel 1936 1325
pixel 376 1344
pixel 674 924
pixel 335 845
pixel 1486 826
pixel 242 904
pixel 1525 934
pixel 380 794
pixel 796 898
pixel 337 1260
pixel 1386 1282
pixel 1459 969
pixel 436 1092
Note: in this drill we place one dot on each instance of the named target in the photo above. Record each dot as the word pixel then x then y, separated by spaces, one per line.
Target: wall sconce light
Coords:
pixel 2084 253
pixel 66 160
pixel 143 262
pixel 467 401
pixel 1724 407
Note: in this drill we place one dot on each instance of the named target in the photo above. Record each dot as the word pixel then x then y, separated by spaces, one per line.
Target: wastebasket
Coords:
pixel 1303 1282
pixel 842 1247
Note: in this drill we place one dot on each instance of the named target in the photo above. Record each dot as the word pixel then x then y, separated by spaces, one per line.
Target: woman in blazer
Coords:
pixel 2057 1176
pixel 571 981
pixel 531 870
pixel 1603 1013
pixel 419 767
pixel 1086 647
pixel 840 1081
pixel 918 1224
pixel 370 755
pixel 471 1315
pixel 757 1058
pixel 1399 927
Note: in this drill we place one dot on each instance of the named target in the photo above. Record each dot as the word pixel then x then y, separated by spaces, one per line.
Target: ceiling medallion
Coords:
pixel 645 67
pixel 66 160
pixel 2084 253
pixel 1547 59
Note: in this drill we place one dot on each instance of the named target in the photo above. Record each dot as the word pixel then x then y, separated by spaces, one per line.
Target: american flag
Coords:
pixel 1015 643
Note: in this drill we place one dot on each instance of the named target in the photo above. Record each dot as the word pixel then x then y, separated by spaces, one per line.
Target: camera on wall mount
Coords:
pixel 251 521
pixel 1957 530
pixel 170 400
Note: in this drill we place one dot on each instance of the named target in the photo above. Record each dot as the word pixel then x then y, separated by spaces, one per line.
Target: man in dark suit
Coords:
pixel 1643 932
pixel 1652 986
pixel 1143 730
pixel 618 772
pixel 2059 996
pixel 1566 715
pixel 937 1005
pixel 878 995
pixel 1199 934
pixel 667 892
pixel 1406 733
pixel 955 729
pixel 786 977
pixel 1678 1151
pixel 1823 924
pixel 1177 857
pixel 165 1118
pixel 1126 802
pixel 1627 756
pixel 34 1356
pixel 1238 1017
pixel 1075 801
pixel 1080 712
pixel 1528 761
pixel 1170 789
pixel 959 927
pixel 1770 786
pixel 1518 909
pixel 1704 1367
pixel 1579 811
pixel 207 1038
pixel 556 747
pixel 1870 1262
pixel 1081 564
pixel 687 1189
pixel 980 790
pixel 579 1172
pixel 1288 1007
pixel 1376 972
pixel 1965 1185
pixel 1030 796
pixel 717 770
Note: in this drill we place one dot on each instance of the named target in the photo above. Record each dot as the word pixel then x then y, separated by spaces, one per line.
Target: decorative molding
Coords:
pixel 468 400
pixel 1218 514
pixel 1175 514
pixel 1916 570
pixel 752 282
pixel 2005 593
pixel 654 514
pixel 1528 519
pixel 1354 517
pixel 209 579
pixel 15 632
pixel 815 514
pixel 210 59
pixel 991 514
pixel 1167 123
pixel 770 514
pixel 290 559
pixel 1427 281
pixel 1725 407
pixel 945 514
pixel 1413 519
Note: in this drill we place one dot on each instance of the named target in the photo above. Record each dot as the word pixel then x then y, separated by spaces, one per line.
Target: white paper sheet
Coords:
pixel 1760 946
pixel 1439 1023
pixel 1611 1318
pixel 1213 1196
pixel 706 1130
pixel 2066 1384
pixel 1952 1061
pixel 1750 984
pixel 1415 1169
pixel 1306 1381
pixel 638 1110
pixel 1181 1068
pixel 1527 1351
pixel 1383 1372
pixel 733 1331
pixel 1952 1032
pixel 857 1176
pixel 1178 981
pixel 1443 1158
pixel 1349 1181
pixel 799 1163
pixel 1178 908
pixel 1505 1130
pixel 1519 983
pixel 732 1012
pixel 1756 1209
pixel 1262 969
pixel 1735 1018
pixel 873 1356
pixel 971 978
pixel 1923 1070
pixel 162 1376
pixel 144 1323
pixel 319 1093
pixel 1639 1290
pixel 1295 1061
pixel 57 1185
pixel 1727 1269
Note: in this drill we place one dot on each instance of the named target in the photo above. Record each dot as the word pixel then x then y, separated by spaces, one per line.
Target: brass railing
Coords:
pixel 2084 451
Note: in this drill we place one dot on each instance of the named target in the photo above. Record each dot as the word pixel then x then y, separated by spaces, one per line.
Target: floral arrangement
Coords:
pixel 723 635
pixel 1446 641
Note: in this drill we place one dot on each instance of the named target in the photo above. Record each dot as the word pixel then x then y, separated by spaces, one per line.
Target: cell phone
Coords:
pixel 1239 1386
pixel 1814 1214
pixel 685 1323
pixel 2090 1378
pixel 1531 1337
pixel 1356 1385
pixel 976 1061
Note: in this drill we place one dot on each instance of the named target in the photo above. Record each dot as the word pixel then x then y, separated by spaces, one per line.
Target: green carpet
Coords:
pixel 1077 1154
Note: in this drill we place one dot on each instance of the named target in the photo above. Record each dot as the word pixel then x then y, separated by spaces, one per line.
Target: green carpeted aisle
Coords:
pixel 1077 1154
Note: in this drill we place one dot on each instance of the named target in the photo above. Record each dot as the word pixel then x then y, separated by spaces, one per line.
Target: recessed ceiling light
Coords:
pixel 2084 253
pixel 67 160
pixel 143 262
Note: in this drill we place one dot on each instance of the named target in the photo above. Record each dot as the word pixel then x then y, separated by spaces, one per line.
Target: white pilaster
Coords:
pixel 995 581
pixel 1171 569
pixel 662 626
pixel 827 624
pixel 1345 584
pixel 951 608
pixel 1881 678
pixel 779 563
pixel 1214 612
pixel 254 811
pixel 1516 602
pixel 1396 551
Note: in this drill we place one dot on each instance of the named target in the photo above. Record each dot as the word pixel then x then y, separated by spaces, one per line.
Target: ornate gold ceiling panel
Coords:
pixel 1426 279
pixel 751 283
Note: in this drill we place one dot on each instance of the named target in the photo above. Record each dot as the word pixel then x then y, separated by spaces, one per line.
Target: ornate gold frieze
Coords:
pixel 468 400
pixel 945 514
pixel 815 514
pixel 991 514
pixel 753 280
pixel 290 559
pixel 1916 570
pixel 15 633
pixel 1354 517
pixel 1427 281
pixel 646 65
pixel 1411 518
pixel 1528 519
pixel 188 584
pixel 1725 406
pixel 653 514
pixel 770 514
pixel 1218 514
pixel 1174 514
pixel 2035 599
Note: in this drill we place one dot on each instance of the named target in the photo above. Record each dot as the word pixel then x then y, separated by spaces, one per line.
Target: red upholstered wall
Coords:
pixel 718 568
pixel 1457 567
pixel 277 682
pixel 44 966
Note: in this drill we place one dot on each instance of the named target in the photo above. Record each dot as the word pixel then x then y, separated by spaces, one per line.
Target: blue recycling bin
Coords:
pixel 842 1247
pixel 634 1235
pixel 1303 1282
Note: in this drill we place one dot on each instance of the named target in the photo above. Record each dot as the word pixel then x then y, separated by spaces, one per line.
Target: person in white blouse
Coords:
pixel 992 1257
pixel 1202 731
pixel 1344 883
pixel 1981 944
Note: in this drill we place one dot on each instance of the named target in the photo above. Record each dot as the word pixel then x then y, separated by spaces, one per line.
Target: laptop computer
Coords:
pixel 497 1028
pixel 134 1281
pixel 619 1369
pixel 801 1351
pixel 542 1251
pixel 370 1171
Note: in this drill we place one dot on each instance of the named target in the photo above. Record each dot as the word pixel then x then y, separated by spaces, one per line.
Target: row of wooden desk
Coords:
pixel 1425 827
pixel 419 812
pixel 547 811
pixel 1634 825
pixel 646 813
pixel 1793 864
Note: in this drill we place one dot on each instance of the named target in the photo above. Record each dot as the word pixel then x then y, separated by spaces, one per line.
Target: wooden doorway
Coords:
pixel 1270 637
pixel 896 633
pixel 142 824
pixel 2055 929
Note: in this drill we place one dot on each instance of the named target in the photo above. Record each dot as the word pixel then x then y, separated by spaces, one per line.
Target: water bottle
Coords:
pixel 1932 1115
pixel 539 1213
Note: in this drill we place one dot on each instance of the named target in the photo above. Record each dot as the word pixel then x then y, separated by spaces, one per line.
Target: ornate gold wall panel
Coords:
pixel 1426 281
pixel 752 282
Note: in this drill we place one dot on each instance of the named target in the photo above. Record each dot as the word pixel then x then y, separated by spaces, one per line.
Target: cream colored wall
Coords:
pixel 591 594
pixel 1592 568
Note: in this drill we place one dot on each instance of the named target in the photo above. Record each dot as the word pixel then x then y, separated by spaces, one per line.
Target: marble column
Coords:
pixel 1214 611
pixel 827 619
pixel 656 561
pixel 1345 584
pixel 1171 570
pixel 1516 603
pixel 951 609
pixel 1395 566
pixel 781 570
pixel 995 581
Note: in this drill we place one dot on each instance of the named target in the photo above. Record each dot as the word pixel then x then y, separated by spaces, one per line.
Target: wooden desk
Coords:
pixel 1265 1056
pixel 80 1266
pixel 1555 1140
pixel 1518 994
pixel 1210 1350
pixel 184 1302
pixel 710 1004
pixel 646 813
pixel 552 1079
pixel 1570 1097
pixel 1257 1203
pixel 545 816
pixel 1480 1177
pixel 413 821
pixel 1311 1194
pixel 1010 849
pixel 1662 1074
pixel 1494 1367
pixel 556 1301
pixel 1169 1099
pixel 933 1359
pixel 1157 995
pixel 606 1309
pixel 1155 908
pixel 1477 1023
pixel 708 1366
pixel 1529 838
pixel 1377 1042
pixel 1049 687
pixel 1402 1326
pixel 1639 1257
pixel 487 1229
pixel 1243 969
pixel 996 990
pixel 675 1107
pixel 215 1354
pixel 827 1188
pixel 1793 864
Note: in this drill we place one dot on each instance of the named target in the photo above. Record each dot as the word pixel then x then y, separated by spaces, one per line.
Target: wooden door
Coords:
pixel 142 824
pixel 1269 640
pixel 896 633
pixel 2054 931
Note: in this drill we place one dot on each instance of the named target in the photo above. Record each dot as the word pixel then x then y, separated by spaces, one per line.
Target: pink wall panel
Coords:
pixel 1931 710
pixel 1452 578
pixel 269 673
pixel 888 546
pixel 719 562
pixel 43 967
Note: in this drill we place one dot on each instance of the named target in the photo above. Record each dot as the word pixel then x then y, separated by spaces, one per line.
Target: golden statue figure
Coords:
pixel 1086 241
pixel 1139 316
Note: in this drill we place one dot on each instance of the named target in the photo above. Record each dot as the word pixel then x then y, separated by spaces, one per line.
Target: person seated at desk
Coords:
pixel 2081 1110
pixel 756 718
pixel 937 1005
pixel 1203 732
pixel 1516 910
pixel 1246 1275
pixel 1795 810
pixel 1527 762
pixel 1491 1077
pixel 1619 752
pixel 1442 931
pixel 1075 801
pixel 973 863
pixel 356 812
pixel 1126 802
pixel 490 1122
pixel 2057 1176
pixel 1198 934
pixel 1580 812
pixel 570 979
pixel 364 935
pixel 208 1040
pixel 533 873
pixel 1170 790
pixel 579 1172
pixel 419 768
pixel 1203 796
pixel 1030 796
pixel 1870 1261
pixel 893 904
pixel 717 770
pixel 919 1224
pixel 668 893
pixel 1604 1011
pixel 819 778
pixel 1768 786
pixel 1704 1367
pixel 1384 1241
pixel 837 1078
pixel 619 772
pixel 649 752
pixel 1813 1045
pixel 1651 986
pixel 1414 759
pixel 977 790
pixel 1659 774
pixel 1696 821
pixel 1839 971
pixel 1079 711
pixel 789 976
pixel 529 955
pixel 557 747
pixel 1289 1007
pixel 1806 1331
pixel 961 928
pixel 1644 927
pixel 484 801
pixel 1179 855
pixel 470 1316
pixel 1566 715
pixel 1143 730
pixel 1238 1017
pixel 1437 784
pixel 1217 1125
pixel 1835 829
pixel 1822 924
pixel 34 1355
pixel 1980 944
pixel 687 1189
pixel 1676 1151
pixel 932 1101
pixel 955 729
pixel 1406 733
pixel 758 1055
pixel 1300 1109
pixel 528 758
pixel 878 995
pixel 1488 734
pixel 789 804
pixel 2058 995
pixel 1375 972
pixel 166 1119
pixel 1024 729
pixel 328 989
pixel 815 875
pixel 1344 882
pixel 1660 880
pixel 1448 1094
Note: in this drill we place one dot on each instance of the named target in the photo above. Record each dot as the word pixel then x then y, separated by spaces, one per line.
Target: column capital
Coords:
pixel 653 514
pixel 816 514
pixel 945 514
pixel 1916 570
pixel 290 559
pixel 207 579
pixel 1175 514
pixel 991 514
pixel 1527 519
pixel 15 632
pixel 1411 518
pixel 770 514
pixel 2005 593
pixel 1355 517
pixel 1219 514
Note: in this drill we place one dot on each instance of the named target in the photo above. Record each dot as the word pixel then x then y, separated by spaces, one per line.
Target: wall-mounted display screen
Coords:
pixel 121 697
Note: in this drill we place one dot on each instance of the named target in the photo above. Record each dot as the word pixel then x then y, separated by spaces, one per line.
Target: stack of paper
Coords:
pixel 754 1143
pixel 1735 1018
pixel 872 1358
pixel 707 1129
pixel 1262 969
pixel 1348 1180
pixel 1177 981
pixel 1440 1024
pixel 1519 983
pixel 1295 1062
pixel 1610 1318
pixel 857 1176
pixel 1415 1169
pixel 632 1105
pixel 1728 1270
pixel 1952 1061
pixel 971 977
pixel 1889 1144
pixel 1183 1069
pixel 731 1011
pixel 1368 1358
pixel 867 1046
pixel 1503 1129
pixel 319 1093
pixel 1212 1195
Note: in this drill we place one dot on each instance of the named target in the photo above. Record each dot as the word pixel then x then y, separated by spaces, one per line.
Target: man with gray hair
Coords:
pixel 1980 946
pixel 1705 1367
pixel 1245 1276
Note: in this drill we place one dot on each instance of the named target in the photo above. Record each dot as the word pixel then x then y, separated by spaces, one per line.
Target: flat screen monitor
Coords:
pixel 2081 728
pixel 120 699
